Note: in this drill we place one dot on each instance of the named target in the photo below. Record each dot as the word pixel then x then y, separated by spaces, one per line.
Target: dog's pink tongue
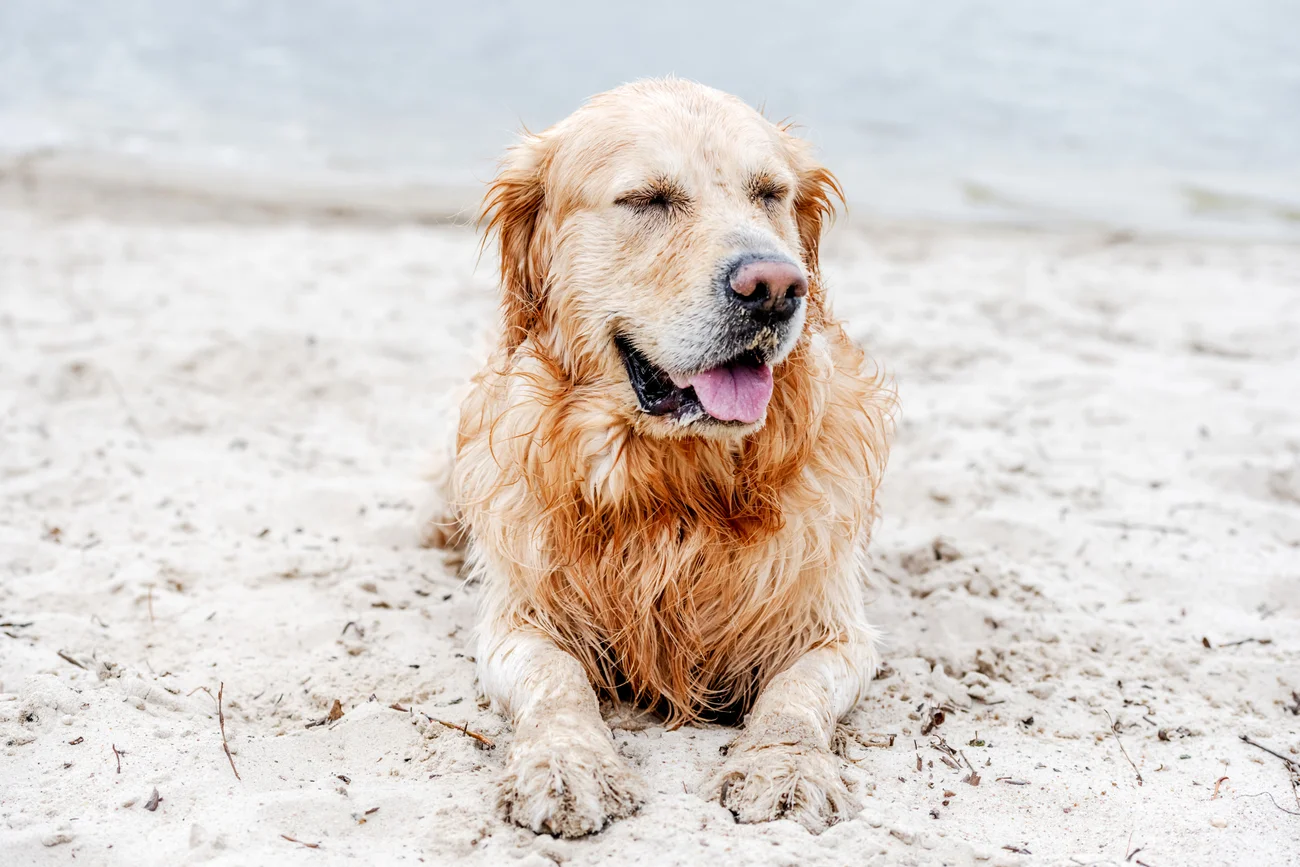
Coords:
pixel 734 393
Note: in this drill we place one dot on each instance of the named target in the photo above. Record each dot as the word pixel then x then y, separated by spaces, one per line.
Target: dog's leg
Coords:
pixel 562 775
pixel 783 765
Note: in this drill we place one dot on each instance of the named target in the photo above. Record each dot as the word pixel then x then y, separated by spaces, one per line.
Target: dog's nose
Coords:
pixel 772 286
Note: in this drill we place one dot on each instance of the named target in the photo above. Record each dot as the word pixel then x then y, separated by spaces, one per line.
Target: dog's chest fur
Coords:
pixel 685 572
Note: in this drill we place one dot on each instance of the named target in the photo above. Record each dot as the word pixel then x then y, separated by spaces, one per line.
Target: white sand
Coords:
pixel 211 434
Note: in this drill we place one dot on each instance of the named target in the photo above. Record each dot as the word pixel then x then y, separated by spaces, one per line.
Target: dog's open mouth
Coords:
pixel 736 392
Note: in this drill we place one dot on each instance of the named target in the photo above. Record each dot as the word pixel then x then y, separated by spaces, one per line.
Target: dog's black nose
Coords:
pixel 768 288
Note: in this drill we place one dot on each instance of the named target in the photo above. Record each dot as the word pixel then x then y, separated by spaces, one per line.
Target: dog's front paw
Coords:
pixel 567 789
pixel 784 779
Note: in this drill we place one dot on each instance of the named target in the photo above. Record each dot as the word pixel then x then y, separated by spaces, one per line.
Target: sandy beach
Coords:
pixel 213 425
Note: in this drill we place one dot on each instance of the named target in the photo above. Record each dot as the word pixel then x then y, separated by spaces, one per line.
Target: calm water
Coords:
pixel 1159 113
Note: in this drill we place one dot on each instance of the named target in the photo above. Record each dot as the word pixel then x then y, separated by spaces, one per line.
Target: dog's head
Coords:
pixel 660 244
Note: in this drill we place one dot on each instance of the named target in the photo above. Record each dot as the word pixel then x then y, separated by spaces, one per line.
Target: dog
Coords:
pixel 666 474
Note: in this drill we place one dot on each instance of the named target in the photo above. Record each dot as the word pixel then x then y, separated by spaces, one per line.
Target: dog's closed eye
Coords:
pixel 767 190
pixel 659 197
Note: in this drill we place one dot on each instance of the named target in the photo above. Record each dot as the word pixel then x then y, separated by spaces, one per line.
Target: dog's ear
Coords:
pixel 513 210
pixel 815 195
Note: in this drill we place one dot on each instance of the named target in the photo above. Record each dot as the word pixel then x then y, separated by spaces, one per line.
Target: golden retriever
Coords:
pixel 666 475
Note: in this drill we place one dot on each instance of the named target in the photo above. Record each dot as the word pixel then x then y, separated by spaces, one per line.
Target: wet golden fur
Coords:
pixel 684 570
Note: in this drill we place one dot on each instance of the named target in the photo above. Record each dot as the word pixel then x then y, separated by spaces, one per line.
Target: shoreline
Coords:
pixel 71 183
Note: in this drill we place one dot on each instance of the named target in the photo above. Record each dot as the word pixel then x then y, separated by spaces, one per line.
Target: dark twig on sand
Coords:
pixel 300 843
pixel 221 720
pixel 1131 852
pixel 947 754
pixel 1290 763
pixel 463 729
pixel 1264 641
pixel 1115 734
pixel 973 778
pixel 117 756
pixel 64 656
pixel 1293 770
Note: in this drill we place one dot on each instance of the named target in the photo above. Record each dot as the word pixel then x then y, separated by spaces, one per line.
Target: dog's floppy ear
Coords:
pixel 815 195
pixel 513 211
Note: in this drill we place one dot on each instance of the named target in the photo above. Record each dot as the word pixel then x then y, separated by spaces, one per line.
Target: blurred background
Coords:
pixel 1163 115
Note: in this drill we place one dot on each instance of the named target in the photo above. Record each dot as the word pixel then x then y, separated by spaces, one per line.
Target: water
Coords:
pixel 1166 114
